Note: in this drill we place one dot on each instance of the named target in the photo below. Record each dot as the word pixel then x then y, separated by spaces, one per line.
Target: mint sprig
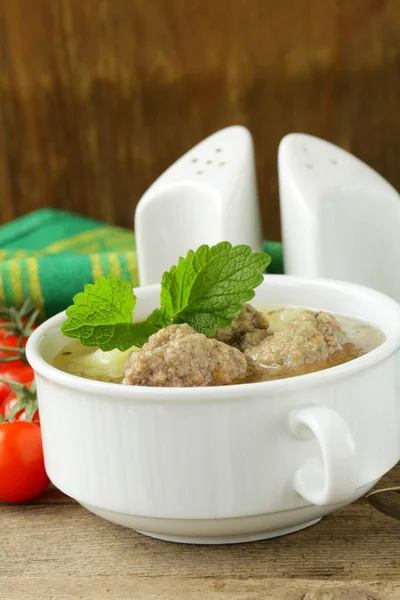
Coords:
pixel 102 314
pixel 206 290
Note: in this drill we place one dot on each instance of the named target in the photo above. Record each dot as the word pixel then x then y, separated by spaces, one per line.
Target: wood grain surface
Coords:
pixel 53 549
pixel 98 97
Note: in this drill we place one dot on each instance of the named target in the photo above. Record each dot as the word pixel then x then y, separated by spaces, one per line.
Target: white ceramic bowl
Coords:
pixel 234 463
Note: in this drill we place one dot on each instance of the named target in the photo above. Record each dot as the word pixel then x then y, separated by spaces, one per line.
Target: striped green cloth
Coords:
pixel 51 254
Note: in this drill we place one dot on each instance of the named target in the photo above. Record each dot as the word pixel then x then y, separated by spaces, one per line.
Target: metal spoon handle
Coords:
pixel 387 501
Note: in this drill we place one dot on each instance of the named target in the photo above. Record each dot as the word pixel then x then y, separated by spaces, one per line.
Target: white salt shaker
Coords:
pixel 340 219
pixel 209 195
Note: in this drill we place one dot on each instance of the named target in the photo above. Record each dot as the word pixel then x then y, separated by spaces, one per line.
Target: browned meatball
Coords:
pixel 178 356
pixel 246 322
pixel 333 334
pixel 253 338
pixel 311 337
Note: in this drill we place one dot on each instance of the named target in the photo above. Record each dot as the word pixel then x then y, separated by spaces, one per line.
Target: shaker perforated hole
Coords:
pixel 309 151
pixel 205 165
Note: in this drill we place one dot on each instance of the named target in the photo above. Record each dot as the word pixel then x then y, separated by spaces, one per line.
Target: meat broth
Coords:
pixel 270 373
pixel 277 343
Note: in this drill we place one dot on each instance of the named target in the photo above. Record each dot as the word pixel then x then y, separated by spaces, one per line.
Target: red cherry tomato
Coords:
pixel 10 339
pixel 13 370
pixel 22 472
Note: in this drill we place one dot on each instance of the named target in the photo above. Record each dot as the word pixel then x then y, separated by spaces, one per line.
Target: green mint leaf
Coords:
pixel 208 288
pixel 177 282
pixel 102 314
pixel 142 331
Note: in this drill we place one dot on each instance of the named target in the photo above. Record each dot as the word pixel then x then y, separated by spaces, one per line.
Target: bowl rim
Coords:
pixel 228 392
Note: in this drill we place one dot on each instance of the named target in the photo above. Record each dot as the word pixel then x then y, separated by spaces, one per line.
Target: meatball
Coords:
pixel 178 356
pixel 311 337
pixel 333 334
pixel 253 338
pixel 248 321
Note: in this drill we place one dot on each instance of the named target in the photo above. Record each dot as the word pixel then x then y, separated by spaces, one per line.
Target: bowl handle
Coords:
pixel 335 480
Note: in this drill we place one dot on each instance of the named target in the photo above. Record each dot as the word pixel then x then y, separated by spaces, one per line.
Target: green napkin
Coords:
pixel 51 254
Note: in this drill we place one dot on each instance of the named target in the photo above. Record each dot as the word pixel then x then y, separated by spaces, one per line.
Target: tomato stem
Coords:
pixel 16 325
pixel 26 399
pixel 15 349
pixel 13 384
pixel 19 320
pixel 10 358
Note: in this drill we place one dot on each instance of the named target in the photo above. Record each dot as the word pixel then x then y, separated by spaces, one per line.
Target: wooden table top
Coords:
pixel 53 549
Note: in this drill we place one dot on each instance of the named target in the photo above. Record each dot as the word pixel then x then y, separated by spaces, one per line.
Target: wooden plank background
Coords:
pixel 98 97
pixel 53 549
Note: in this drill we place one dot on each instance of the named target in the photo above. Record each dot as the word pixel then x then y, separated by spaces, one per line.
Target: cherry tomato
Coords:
pixel 14 332
pixel 14 371
pixel 9 403
pixel 10 339
pixel 22 472
pixel 9 342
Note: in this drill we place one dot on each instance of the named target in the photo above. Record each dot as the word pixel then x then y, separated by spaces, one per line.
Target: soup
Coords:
pixel 277 343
